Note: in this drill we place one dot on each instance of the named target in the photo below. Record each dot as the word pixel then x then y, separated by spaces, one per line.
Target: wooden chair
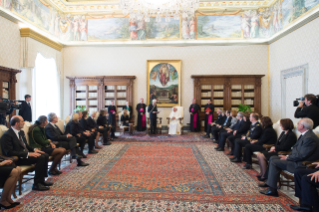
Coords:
pixel 158 125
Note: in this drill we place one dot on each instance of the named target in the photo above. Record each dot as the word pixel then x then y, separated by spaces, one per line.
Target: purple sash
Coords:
pixel 143 118
pixel 194 119
pixel 210 118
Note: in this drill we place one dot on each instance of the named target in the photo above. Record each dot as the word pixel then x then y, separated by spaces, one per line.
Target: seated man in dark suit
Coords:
pixel 306 184
pixel 308 109
pixel 104 130
pixel 14 143
pixel 253 133
pixel 218 128
pixel 66 141
pixel 25 111
pixel 211 127
pixel 306 149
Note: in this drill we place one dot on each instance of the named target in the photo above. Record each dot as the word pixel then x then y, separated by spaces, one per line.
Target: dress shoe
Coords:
pixel 205 136
pixel 247 166
pixel 300 208
pixel 98 147
pixel 83 156
pixel 81 163
pixel 219 149
pixel 46 183
pixel 214 141
pixel 54 173
pixel 40 187
pixel 262 179
pixel 93 151
pixel 76 156
pixel 107 143
pixel 235 160
pixel 216 147
pixel 7 207
pixel 16 203
pixel 268 192
pixel 263 185
pixel 230 153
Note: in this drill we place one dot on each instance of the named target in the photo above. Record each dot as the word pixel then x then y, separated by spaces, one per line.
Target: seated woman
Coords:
pixel 86 126
pixel 268 136
pixel 103 131
pixel 285 141
pixel 174 125
pixel 103 122
pixel 125 119
pixel 9 175
pixel 39 140
pixel 81 134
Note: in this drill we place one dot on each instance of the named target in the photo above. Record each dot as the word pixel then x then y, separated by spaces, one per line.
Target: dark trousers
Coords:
pixel 249 150
pixel 306 189
pixel 104 133
pixel 213 130
pixel 81 141
pixel 153 120
pixel 41 166
pixel 222 138
pixel 239 144
pixel 68 143
pixel 231 140
pixel 91 142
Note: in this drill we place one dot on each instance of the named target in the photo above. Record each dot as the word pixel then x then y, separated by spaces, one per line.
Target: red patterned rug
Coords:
pixel 155 176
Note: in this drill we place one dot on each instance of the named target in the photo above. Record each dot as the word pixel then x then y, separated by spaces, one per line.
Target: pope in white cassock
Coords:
pixel 174 125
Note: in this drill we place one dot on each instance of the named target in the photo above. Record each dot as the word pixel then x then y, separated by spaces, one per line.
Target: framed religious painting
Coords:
pixel 164 79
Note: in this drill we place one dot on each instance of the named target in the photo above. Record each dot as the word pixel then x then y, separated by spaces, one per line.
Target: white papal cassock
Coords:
pixel 174 125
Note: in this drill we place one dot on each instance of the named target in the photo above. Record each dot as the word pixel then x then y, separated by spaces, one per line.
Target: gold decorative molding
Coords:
pixel 26 32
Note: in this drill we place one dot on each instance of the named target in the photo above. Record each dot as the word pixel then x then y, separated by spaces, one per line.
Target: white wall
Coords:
pixel 298 48
pixel 93 61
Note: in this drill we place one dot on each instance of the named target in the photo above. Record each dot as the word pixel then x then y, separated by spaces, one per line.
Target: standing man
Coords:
pixel 311 110
pixel 194 110
pixel 141 117
pixel 152 109
pixel 112 118
pixel 3 114
pixel 26 112
pixel 209 113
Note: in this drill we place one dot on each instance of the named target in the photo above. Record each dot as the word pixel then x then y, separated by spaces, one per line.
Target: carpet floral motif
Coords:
pixel 155 176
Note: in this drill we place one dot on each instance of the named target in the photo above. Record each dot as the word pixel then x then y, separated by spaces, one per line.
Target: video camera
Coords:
pixel 296 102
pixel 6 104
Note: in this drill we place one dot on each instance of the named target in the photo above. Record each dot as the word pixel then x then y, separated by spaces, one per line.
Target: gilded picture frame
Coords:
pixel 164 81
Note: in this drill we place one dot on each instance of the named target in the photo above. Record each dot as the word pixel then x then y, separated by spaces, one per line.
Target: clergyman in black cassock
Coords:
pixel 152 109
pixel 209 114
pixel 141 117
pixel 194 110
pixel 112 118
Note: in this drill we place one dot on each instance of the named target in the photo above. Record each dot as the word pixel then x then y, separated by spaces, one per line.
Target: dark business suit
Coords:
pixel 242 130
pixel 77 131
pixel 311 111
pixel 26 112
pixel 3 115
pixel 305 188
pixel 254 132
pixel 225 122
pixel 104 131
pixel 12 146
pixel 268 136
pixel 224 135
pixel 153 117
pixel 306 149
pixel 85 125
pixel 54 134
pixel 220 120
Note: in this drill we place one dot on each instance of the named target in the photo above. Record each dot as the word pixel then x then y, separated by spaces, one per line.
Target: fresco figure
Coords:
pixel 192 28
pixel 185 29
pixel 245 24
pixel 254 30
pixel 133 29
pixel 83 29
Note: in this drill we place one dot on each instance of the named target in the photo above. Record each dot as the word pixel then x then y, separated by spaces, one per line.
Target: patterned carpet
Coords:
pixel 155 176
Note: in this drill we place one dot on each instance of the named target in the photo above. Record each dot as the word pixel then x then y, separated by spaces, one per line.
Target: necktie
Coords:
pixel 225 121
pixel 21 142
pixel 299 137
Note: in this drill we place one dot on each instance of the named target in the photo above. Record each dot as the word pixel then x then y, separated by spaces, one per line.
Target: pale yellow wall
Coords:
pixel 9 43
pixel 209 60
pixel 298 48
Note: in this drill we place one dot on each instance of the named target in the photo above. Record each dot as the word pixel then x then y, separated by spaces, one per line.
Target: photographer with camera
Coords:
pixel 6 108
pixel 308 108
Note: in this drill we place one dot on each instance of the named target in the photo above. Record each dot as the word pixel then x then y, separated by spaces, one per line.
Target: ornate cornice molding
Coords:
pixel 26 32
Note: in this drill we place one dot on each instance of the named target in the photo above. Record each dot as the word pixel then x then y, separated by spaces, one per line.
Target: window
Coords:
pixel 46 84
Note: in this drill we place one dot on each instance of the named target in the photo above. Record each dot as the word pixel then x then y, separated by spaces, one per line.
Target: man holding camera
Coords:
pixel 5 111
pixel 308 109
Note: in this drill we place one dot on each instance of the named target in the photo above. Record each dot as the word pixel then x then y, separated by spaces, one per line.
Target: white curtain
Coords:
pixel 46 87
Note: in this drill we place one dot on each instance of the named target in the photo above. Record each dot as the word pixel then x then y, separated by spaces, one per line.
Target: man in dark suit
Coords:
pixel 211 127
pixel 230 132
pixel 66 141
pixel 14 143
pixel 308 109
pixel 306 149
pixel 221 127
pixel 5 113
pixel 152 109
pixel 253 133
pixel 102 129
pixel 306 184
pixel 26 112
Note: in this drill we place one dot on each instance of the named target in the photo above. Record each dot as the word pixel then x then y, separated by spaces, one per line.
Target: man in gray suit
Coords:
pixel 306 149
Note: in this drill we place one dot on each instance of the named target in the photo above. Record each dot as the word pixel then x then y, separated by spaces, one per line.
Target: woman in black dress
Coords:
pixel 285 141
pixel 125 119
pixel 9 175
